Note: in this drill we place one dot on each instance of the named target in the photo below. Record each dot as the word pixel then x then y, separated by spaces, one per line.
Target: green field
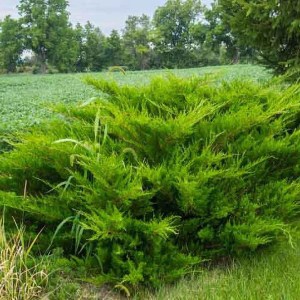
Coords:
pixel 27 99
pixel 273 273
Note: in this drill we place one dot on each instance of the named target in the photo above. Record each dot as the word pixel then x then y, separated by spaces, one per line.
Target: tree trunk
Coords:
pixel 41 61
pixel 237 56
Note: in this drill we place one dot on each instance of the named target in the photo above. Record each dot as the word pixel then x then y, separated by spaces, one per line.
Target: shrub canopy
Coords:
pixel 154 178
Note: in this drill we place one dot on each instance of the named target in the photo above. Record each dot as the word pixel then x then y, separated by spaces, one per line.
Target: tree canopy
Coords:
pixel 136 39
pixel 181 34
pixel 174 24
pixel 272 27
pixel 46 30
pixel 11 45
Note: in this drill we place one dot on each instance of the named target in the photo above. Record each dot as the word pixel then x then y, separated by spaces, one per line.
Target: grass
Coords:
pixel 26 100
pixel 21 277
pixel 271 275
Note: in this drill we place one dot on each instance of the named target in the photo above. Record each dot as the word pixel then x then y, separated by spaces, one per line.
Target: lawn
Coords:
pixel 272 274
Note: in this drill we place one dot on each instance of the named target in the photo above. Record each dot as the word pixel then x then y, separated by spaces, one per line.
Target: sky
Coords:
pixel 106 14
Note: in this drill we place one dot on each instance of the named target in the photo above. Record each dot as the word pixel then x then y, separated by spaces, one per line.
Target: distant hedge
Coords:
pixel 145 182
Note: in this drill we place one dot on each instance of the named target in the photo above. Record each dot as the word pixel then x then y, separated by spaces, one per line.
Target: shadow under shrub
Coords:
pixel 144 182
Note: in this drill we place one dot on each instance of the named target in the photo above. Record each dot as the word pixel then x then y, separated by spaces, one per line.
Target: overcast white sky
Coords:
pixel 107 14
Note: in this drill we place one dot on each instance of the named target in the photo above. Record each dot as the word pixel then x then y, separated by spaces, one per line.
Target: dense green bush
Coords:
pixel 149 180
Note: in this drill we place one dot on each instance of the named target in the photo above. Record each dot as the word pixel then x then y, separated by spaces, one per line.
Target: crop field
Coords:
pixel 26 100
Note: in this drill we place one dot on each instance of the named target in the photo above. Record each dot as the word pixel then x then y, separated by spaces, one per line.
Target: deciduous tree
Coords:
pixel 94 47
pixel 46 28
pixel 136 38
pixel 11 44
pixel 174 23
pixel 114 49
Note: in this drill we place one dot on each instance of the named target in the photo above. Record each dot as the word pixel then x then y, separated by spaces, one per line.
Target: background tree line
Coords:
pixel 181 34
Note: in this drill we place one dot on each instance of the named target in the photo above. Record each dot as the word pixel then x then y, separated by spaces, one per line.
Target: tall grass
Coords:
pixel 20 277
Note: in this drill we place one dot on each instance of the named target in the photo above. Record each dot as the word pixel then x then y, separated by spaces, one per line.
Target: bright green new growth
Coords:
pixel 146 181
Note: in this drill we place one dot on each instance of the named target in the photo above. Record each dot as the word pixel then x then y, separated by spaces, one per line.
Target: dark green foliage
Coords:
pixel 114 49
pixel 181 34
pixel 94 47
pixel 221 41
pixel 136 40
pixel 174 39
pixel 47 32
pixel 271 27
pixel 11 44
pixel 149 180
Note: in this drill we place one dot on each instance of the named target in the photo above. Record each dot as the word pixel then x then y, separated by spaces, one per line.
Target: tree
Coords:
pixel 94 47
pixel 221 41
pixel 136 38
pixel 81 63
pixel 272 27
pixel 66 53
pixel 219 38
pixel 114 49
pixel 174 23
pixel 91 48
pixel 11 44
pixel 47 30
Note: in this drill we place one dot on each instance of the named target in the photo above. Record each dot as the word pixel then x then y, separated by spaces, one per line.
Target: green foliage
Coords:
pixel 94 47
pixel 182 33
pixel 174 23
pixel 270 274
pixel 156 177
pixel 114 49
pixel 271 27
pixel 220 39
pixel 28 100
pixel 47 32
pixel 65 54
pixel 136 40
pixel 11 45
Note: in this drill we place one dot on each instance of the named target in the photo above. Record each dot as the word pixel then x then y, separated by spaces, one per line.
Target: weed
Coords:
pixel 20 276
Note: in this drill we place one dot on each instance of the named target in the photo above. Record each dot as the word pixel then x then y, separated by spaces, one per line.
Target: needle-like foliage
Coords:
pixel 154 178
